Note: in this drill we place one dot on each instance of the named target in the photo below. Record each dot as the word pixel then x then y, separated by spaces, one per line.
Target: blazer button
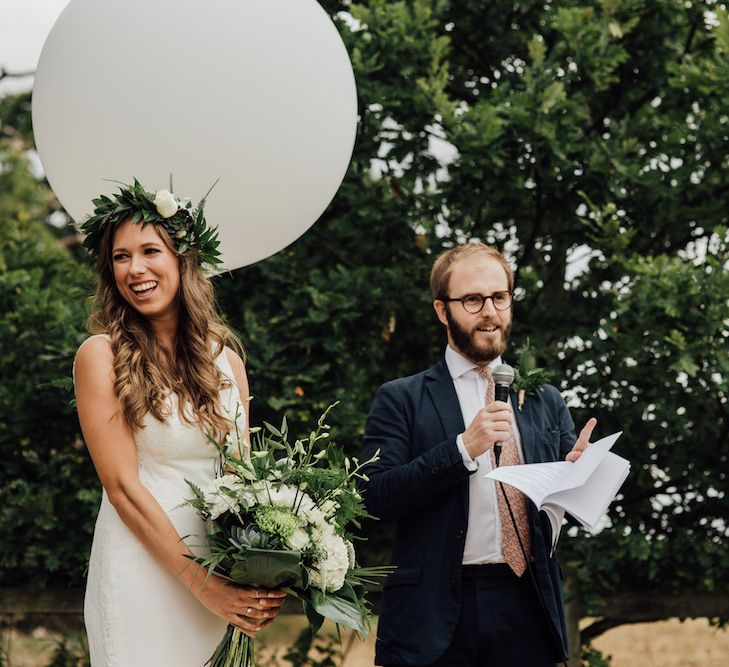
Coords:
pixel 460 534
pixel 435 470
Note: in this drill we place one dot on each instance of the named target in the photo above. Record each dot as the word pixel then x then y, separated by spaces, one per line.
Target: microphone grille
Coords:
pixel 503 374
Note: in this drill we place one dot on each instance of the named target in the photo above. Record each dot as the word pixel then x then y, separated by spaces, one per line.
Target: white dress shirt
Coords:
pixel 483 537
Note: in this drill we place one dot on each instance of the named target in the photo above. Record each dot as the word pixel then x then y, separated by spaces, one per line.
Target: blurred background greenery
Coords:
pixel 588 140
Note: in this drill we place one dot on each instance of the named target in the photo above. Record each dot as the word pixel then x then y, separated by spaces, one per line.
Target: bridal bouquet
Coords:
pixel 280 518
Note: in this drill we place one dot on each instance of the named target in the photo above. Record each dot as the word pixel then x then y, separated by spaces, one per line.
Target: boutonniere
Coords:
pixel 528 377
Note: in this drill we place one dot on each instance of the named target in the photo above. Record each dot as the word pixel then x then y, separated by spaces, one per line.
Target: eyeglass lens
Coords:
pixel 473 303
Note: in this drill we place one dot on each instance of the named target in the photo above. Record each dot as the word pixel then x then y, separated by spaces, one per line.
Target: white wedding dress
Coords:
pixel 136 613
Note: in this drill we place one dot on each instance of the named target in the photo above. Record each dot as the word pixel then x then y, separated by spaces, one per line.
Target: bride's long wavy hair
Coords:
pixel 141 384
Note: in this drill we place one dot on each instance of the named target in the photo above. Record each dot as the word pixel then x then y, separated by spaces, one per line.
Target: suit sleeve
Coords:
pixel 398 483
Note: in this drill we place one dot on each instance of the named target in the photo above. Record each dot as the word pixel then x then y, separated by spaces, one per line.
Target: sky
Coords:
pixel 24 26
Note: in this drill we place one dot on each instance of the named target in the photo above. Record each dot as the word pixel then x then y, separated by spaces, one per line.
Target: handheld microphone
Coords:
pixel 503 376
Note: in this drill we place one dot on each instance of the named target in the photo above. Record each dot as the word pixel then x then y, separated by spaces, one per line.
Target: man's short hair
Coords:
pixel 441 274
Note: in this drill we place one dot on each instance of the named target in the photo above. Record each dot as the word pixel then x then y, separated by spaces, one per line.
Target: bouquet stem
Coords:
pixel 235 650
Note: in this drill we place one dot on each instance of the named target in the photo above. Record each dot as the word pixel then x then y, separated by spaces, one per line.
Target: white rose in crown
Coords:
pixel 166 204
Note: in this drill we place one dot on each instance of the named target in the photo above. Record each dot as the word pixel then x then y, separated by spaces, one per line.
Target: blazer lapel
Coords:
pixel 525 423
pixel 443 394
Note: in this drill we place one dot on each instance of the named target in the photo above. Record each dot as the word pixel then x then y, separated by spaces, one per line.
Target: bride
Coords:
pixel 154 380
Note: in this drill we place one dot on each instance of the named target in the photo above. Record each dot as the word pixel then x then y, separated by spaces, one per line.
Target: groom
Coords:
pixel 462 594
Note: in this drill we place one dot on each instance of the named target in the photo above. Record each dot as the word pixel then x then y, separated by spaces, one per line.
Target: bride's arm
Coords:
pixel 241 380
pixel 111 445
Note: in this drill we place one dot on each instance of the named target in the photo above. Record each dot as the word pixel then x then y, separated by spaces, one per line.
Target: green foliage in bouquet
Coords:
pixel 260 561
pixel 282 517
pixel 270 569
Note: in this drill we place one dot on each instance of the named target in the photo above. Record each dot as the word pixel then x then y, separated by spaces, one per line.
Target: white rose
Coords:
pixel 299 540
pixel 165 203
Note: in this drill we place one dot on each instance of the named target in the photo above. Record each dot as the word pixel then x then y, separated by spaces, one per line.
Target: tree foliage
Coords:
pixel 48 496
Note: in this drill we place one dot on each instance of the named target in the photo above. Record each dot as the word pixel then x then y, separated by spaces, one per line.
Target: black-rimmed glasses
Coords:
pixel 474 303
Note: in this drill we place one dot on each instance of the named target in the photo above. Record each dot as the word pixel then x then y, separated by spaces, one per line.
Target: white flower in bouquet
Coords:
pixel 219 501
pixel 304 507
pixel 330 571
pixel 299 540
pixel 350 553
pixel 314 517
pixel 165 203
pixel 292 497
pixel 288 514
pixel 284 496
pixel 268 494
pixel 329 507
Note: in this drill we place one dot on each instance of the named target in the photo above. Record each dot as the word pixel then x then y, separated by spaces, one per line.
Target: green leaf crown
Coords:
pixel 187 227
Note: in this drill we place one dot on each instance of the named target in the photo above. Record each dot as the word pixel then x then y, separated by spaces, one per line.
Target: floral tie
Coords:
pixel 517 500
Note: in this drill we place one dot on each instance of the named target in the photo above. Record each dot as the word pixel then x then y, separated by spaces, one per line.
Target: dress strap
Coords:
pixel 222 362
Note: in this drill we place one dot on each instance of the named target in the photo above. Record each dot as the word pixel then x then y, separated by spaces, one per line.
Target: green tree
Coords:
pixel 47 492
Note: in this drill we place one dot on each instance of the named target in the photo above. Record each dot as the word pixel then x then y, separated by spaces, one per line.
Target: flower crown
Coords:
pixel 185 225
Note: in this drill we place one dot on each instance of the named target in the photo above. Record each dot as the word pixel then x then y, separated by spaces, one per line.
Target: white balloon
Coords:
pixel 257 92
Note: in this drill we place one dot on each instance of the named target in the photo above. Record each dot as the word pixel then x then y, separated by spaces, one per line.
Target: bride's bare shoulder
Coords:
pixel 239 370
pixel 94 353
pixel 95 343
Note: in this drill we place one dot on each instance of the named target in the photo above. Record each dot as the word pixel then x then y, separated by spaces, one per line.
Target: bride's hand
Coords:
pixel 250 609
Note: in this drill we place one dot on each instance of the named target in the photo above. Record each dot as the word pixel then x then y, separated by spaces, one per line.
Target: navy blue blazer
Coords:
pixel 420 482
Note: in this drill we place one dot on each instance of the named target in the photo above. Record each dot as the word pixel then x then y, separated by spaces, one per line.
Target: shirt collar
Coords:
pixel 458 365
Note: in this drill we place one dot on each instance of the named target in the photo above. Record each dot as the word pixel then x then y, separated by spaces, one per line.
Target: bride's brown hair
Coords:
pixel 140 384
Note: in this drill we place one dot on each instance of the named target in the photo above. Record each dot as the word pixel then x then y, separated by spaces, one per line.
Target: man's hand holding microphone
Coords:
pixel 493 423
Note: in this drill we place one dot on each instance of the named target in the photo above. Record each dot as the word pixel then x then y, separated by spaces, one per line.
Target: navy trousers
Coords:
pixel 501 623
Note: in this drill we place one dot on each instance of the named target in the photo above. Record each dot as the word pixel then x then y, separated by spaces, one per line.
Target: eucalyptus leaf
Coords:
pixel 315 619
pixel 341 610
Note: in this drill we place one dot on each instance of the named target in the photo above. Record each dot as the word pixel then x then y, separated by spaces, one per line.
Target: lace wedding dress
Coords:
pixel 136 613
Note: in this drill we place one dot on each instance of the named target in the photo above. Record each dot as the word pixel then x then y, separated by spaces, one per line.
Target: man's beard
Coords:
pixel 465 340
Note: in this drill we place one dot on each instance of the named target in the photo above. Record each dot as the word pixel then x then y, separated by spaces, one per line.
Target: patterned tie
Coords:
pixel 510 457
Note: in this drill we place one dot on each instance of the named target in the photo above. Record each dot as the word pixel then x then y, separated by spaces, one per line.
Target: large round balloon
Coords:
pixel 258 93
